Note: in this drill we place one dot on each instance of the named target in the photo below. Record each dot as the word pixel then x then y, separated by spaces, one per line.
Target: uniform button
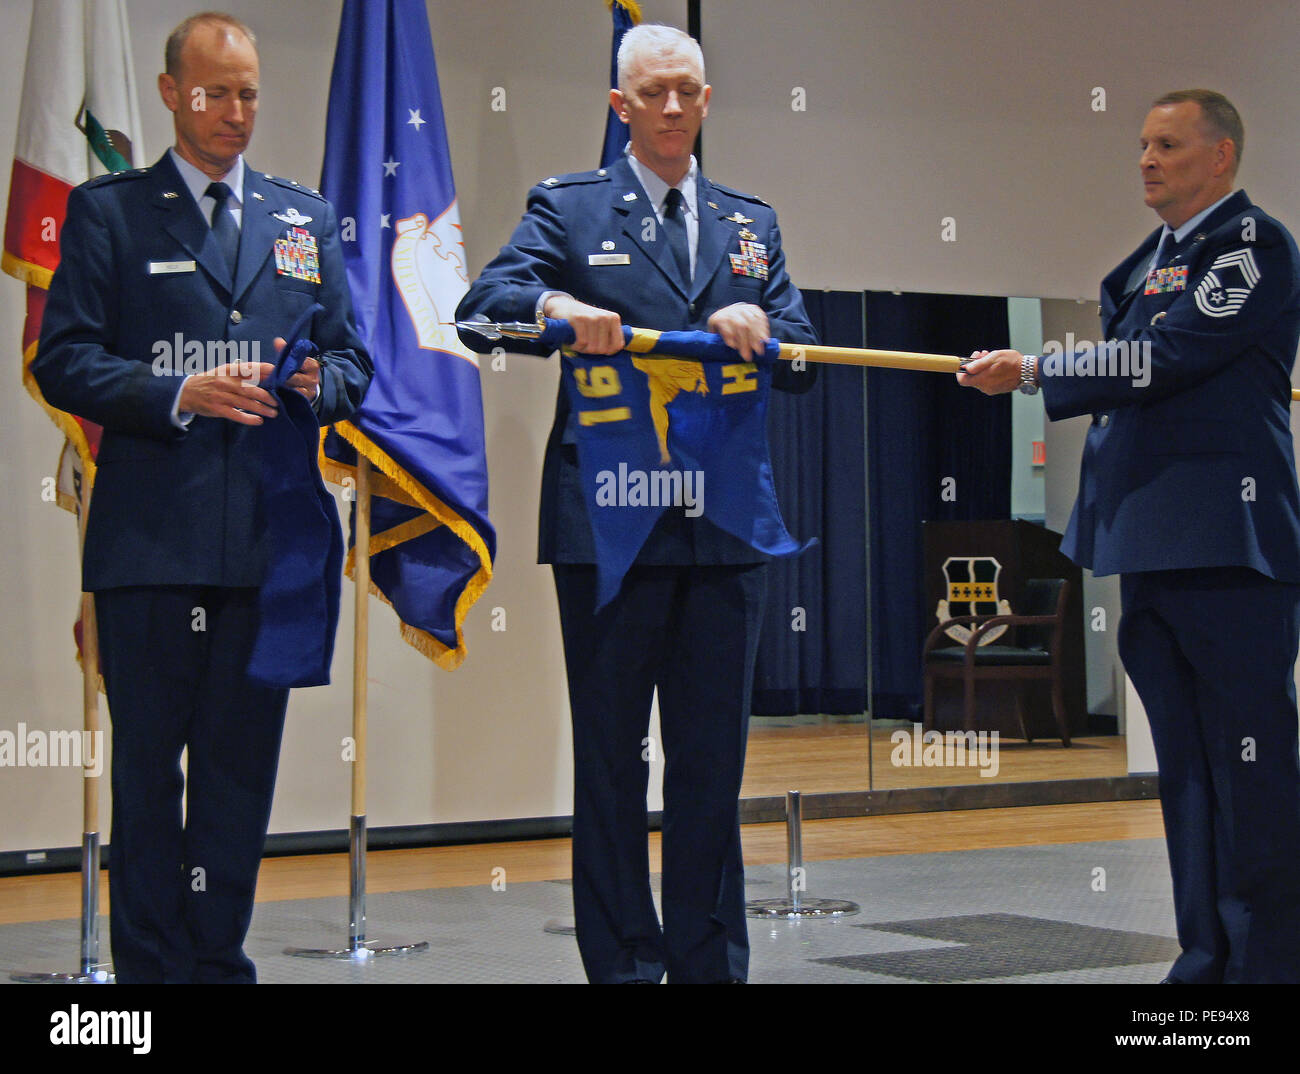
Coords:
pixel 692 309
pixel 236 316
pixel 1104 420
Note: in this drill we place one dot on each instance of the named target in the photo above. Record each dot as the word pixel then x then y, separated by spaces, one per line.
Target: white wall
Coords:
pixel 915 111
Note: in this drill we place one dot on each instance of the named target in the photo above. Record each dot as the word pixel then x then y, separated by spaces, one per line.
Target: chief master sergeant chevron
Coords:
pixel 202 246
pixel 650 242
pixel 1188 492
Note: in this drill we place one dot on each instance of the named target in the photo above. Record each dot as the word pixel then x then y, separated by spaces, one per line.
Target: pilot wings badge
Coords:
pixel 292 216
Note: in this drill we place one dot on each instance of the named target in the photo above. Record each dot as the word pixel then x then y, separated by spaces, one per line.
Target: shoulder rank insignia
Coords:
pixel 296 255
pixel 1216 295
pixel 292 216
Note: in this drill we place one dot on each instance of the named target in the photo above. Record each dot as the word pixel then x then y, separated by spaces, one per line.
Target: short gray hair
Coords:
pixel 177 38
pixel 1218 115
pixel 653 39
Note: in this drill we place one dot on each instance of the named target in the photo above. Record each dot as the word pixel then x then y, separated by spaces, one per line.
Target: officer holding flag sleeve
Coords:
pixel 650 242
pixel 197 255
pixel 1188 492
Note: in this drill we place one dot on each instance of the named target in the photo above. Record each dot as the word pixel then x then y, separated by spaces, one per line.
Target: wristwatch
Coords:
pixel 1028 368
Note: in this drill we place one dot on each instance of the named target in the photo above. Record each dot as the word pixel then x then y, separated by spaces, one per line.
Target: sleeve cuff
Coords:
pixel 180 420
pixel 538 315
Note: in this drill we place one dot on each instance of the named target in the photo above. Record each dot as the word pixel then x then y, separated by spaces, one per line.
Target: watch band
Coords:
pixel 1028 370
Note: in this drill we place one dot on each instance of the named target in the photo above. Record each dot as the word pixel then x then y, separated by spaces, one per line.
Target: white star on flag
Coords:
pixel 383 220
pixel 390 165
pixel 415 120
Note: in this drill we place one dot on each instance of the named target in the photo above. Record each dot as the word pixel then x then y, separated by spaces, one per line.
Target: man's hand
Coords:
pixel 743 327
pixel 231 392
pixel 598 331
pixel 306 382
pixel 992 372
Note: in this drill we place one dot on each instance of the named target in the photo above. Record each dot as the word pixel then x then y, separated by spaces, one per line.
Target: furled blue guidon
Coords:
pixel 299 600
pixel 711 406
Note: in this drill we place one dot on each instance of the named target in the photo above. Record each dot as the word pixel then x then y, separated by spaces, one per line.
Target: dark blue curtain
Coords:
pixel 812 653
pixel 936 451
pixel 921 428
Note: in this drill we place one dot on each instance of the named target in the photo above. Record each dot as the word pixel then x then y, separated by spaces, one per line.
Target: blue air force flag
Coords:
pixel 388 173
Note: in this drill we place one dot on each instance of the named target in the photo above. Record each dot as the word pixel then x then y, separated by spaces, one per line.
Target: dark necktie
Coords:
pixel 1171 250
pixel 675 229
pixel 223 224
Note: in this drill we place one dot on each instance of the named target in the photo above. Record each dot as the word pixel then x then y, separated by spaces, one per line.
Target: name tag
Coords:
pixel 609 259
pixel 163 268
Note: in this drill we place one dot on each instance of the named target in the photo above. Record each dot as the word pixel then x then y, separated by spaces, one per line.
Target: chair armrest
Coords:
pixel 938 631
pixel 1010 620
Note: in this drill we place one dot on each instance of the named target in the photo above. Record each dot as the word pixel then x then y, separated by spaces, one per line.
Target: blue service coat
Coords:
pixel 139 267
pixel 1195 468
pixel 575 226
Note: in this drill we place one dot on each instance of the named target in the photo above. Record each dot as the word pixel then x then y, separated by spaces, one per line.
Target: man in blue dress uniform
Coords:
pixel 1188 492
pixel 168 277
pixel 652 243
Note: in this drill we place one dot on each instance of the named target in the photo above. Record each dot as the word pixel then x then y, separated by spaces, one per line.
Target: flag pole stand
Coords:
pixel 796 906
pixel 92 971
pixel 359 949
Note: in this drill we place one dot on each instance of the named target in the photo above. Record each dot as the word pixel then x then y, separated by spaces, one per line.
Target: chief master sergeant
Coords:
pixel 1188 492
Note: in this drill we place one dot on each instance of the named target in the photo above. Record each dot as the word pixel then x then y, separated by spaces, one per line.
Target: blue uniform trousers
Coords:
pixel 181 888
pixel 692 631
pixel 1212 653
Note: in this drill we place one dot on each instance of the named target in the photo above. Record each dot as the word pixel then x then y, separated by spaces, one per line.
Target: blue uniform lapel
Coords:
pixel 1117 292
pixel 1118 297
pixel 634 212
pixel 258 231
pixel 184 222
pixel 715 237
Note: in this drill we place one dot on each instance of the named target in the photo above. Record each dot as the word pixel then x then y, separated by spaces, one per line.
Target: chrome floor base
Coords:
pixel 97 975
pixel 363 953
pixel 784 908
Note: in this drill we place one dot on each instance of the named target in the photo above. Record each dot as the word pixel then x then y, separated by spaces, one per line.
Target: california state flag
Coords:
pixel 79 118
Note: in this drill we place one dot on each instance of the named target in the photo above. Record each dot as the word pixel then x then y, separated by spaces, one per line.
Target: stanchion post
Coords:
pixel 794 848
pixel 796 906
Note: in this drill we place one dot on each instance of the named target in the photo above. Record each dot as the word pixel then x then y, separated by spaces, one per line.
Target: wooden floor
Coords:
pixel 832 756
pixel 57 896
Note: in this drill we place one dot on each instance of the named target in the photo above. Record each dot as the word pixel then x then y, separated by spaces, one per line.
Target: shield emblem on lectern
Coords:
pixel 972 589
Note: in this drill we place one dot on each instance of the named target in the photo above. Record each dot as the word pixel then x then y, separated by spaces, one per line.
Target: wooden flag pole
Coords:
pixel 358 949
pixel 644 341
pixel 931 363
pixel 90 970
pixel 360 671
pixel 90 784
